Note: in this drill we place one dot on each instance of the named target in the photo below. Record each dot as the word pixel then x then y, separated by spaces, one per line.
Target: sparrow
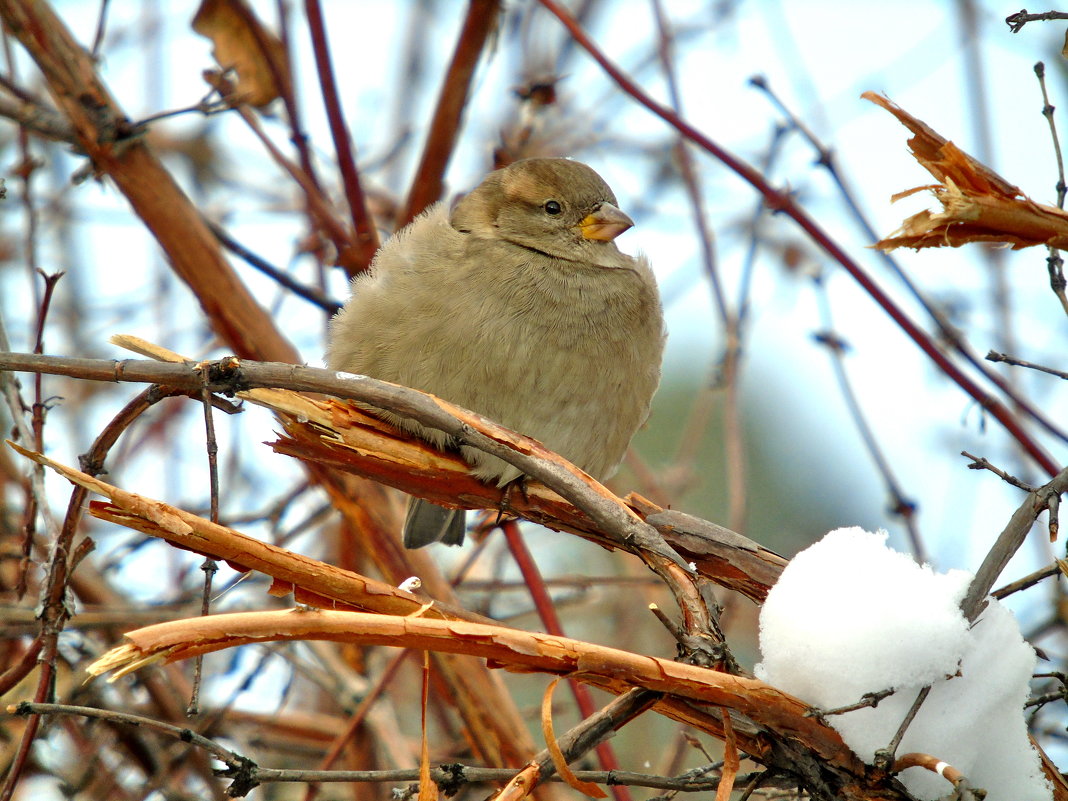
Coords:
pixel 516 304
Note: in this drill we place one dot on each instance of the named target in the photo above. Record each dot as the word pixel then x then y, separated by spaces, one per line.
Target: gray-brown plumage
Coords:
pixel 519 306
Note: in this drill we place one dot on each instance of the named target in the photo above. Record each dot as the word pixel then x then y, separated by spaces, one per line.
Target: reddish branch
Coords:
pixel 366 240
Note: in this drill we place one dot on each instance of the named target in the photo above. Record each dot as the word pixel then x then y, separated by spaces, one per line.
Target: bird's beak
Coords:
pixel 605 223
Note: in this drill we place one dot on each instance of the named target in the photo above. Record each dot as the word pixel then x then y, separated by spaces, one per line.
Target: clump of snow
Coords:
pixel 849 616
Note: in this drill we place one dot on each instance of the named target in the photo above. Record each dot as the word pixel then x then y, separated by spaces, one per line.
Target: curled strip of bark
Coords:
pixel 578 741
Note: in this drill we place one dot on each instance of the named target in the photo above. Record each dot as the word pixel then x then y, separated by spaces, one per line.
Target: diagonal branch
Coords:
pixel 1010 540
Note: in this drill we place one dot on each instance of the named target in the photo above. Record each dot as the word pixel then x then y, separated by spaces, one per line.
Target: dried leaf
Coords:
pixel 244 45
pixel 587 788
pixel 978 205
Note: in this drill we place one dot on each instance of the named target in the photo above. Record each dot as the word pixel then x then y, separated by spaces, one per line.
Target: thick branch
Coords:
pixel 340 436
pixel 512 649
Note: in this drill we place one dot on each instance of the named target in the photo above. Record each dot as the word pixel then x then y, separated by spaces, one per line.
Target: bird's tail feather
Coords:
pixel 427 522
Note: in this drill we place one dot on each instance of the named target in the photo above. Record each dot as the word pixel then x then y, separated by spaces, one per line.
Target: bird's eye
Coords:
pixel 552 207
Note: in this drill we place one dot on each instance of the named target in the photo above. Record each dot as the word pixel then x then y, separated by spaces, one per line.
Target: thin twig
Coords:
pixel 1047 112
pixel 1059 568
pixel 760 211
pixel 224 755
pixel 208 566
pixel 884 757
pixel 706 238
pixel 755 781
pixel 21 668
pixel 310 294
pixel 283 76
pixel 40 406
pixel 980 463
pixel 733 424
pixel 1054 262
pixel 101 27
pixel 868 700
pixel 1020 18
pixel 580 583
pixel 995 356
pixel 1060 694
pixel 1057 281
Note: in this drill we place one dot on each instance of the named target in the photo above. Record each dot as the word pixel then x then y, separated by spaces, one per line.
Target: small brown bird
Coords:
pixel 517 305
